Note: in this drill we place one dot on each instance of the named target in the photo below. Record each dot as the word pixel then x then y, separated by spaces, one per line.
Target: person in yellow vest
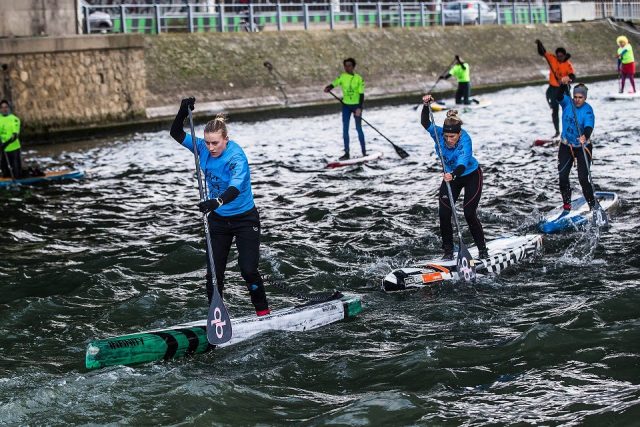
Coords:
pixel 462 72
pixel 9 133
pixel 352 85
pixel 626 63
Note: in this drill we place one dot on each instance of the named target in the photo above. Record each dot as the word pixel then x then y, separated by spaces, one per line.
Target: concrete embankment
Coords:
pixel 226 71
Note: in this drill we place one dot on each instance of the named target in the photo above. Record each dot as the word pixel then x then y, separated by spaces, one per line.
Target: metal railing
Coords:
pixel 160 18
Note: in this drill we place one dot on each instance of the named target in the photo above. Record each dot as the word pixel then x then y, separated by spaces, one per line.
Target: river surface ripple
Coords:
pixel 554 341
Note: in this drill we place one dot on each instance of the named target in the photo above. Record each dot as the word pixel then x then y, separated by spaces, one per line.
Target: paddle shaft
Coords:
pixel 277 77
pixel 6 158
pixel 437 81
pixel 370 125
pixel 202 199
pixel 441 157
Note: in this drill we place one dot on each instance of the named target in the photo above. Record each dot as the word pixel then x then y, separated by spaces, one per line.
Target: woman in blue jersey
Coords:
pixel 575 138
pixel 230 208
pixel 462 171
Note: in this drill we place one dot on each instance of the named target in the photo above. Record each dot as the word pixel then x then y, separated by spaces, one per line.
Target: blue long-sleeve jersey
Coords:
pixel 231 168
pixel 586 118
pixel 461 154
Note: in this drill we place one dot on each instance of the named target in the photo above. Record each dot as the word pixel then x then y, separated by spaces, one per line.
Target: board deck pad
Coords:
pixel 503 253
pixel 191 338
pixel 556 221
pixel 355 160
pixel 48 176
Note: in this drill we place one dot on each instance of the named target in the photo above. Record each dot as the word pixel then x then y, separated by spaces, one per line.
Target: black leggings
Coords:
pixel 13 167
pixel 246 229
pixel 552 100
pixel 472 185
pixel 566 155
pixel 464 91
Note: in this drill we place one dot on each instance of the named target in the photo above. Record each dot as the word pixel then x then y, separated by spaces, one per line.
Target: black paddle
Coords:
pixel 436 83
pixel 6 158
pixel 277 77
pixel 218 321
pixel 465 263
pixel 599 214
pixel 403 154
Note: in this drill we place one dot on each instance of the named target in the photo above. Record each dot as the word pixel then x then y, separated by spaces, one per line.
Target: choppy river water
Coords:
pixel 555 341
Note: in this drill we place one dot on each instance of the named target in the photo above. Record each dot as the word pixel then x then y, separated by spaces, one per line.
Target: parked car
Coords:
pixel 473 12
pixel 100 22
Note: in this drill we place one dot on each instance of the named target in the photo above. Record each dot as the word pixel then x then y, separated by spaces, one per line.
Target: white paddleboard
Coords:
pixel 482 103
pixel 503 253
pixel 623 96
pixel 355 160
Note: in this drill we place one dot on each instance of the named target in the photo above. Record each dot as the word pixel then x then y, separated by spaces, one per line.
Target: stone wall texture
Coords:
pixel 56 83
pixel 26 18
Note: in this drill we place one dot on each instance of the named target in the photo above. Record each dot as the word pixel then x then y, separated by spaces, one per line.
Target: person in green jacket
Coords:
pixel 462 72
pixel 626 63
pixel 352 85
pixel 10 163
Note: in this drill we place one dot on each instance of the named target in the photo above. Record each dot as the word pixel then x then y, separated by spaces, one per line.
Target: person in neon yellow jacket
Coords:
pixel 626 63
pixel 462 72
pixel 352 85
pixel 10 163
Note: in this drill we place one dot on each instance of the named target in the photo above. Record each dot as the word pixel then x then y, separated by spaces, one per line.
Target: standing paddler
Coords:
pixel 461 171
pixel 10 163
pixel 626 63
pixel 230 208
pixel 462 72
pixel 352 85
pixel 574 142
pixel 560 67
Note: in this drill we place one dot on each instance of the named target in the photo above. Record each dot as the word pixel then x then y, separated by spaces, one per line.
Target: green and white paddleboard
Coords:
pixel 191 338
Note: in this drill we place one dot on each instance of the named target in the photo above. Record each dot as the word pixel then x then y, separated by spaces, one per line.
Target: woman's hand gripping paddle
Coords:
pixel 218 321
pixel 465 263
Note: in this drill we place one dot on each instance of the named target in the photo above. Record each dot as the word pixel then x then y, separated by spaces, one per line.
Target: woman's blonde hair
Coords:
pixel 622 39
pixel 219 124
pixel 452 118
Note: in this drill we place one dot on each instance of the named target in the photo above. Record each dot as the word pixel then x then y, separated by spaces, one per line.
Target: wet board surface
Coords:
pixel 557 221
pixel 191 338
pixel 355 160
pixel 48 176
pixel 503 253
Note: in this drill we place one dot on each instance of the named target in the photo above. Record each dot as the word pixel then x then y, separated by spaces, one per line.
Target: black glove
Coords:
pixel 187 102
pixel 458 59
pixel 541 49
pixel 209 205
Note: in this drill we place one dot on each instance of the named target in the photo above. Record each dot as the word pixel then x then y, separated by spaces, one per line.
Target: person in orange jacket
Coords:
pixel 560 67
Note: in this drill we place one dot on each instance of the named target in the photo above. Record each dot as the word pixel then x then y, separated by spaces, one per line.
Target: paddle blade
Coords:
pixel 466 266
pixel 600 217
pixel 403 154
pixel 218 321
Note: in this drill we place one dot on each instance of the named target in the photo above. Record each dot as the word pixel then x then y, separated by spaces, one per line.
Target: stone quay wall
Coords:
pixel 73 82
